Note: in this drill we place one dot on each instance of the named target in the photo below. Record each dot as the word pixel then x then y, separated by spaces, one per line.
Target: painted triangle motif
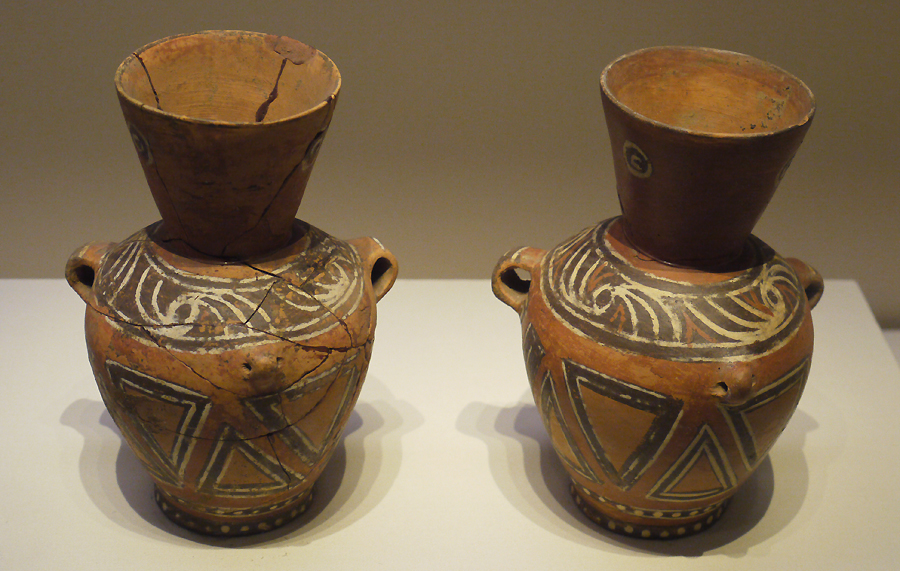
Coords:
pixel 533 349
pixel 172 447
pixel 566 448
pixel 623 460
pixel 327 414
pixel 241 467
pixel 758 422
pixel 702 471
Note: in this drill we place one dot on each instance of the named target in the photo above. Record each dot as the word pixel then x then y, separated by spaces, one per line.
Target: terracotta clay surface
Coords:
pixel 664 381
pixel 227 126
pixel 230 341
pixel 703 133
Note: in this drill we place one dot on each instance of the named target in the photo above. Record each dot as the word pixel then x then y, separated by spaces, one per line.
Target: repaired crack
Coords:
pixel 325 348
pixel 287 425
pixel 256 309
pixel 171 354
pixel 312 297
pixel 168 194
pixel 264 212
pixel 264 108
pixel 158 343
pixel 312 275
pixel 287 473
pixel 275 337
pixel 149 80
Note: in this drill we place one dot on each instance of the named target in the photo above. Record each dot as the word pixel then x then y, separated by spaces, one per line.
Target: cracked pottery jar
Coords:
pixel 667 348
pixel 229 340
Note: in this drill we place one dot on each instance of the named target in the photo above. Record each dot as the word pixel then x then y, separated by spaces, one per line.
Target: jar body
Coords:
pixel 232 381
pixel 662 388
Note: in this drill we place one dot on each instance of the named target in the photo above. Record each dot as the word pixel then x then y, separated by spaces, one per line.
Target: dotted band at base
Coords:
pixel 233 526
pixel 631 529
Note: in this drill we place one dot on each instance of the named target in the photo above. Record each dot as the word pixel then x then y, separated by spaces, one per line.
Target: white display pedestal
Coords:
pixel 445 463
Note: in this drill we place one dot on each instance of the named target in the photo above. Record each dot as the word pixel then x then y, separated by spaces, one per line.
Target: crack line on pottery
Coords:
pixel 259 306
pixel 309 377
pixel 236 308
pixel 116 320
pixel 264 108
pixel 172 354
pixel 314 299
pixel 149 80
pixel 287 473
pixel 264 212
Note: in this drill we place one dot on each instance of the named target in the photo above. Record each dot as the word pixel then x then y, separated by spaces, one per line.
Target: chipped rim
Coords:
pixel 123 96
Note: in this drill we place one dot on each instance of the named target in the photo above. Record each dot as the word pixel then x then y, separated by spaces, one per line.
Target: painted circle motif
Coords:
pixel 141 145
pixel 637 162
pixel 312 150
pixel 599 295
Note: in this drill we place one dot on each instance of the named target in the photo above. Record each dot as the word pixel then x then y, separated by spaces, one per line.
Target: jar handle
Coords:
pixel 380 265
pixel 82 268
pixel 811 280
pixel 514 275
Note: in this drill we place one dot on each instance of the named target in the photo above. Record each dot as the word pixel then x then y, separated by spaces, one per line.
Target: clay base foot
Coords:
pixel 631 522
pixel 223 522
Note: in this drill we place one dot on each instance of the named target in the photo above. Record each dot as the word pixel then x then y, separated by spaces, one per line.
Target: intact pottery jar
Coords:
pixel 668 348
pixel 230 340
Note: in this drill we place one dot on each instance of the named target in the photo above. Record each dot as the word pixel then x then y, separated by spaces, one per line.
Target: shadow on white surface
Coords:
pixel 892 336
pixel 356 479
pixel 532 478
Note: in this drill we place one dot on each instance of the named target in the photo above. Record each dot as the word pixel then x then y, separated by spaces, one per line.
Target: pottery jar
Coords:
pixel 667 348
pixel 230 340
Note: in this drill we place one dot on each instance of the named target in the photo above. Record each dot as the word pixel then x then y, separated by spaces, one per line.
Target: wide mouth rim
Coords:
pixel 802 122
pixel 128 62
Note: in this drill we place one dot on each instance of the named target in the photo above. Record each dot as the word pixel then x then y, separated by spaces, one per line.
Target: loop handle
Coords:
pixel 82 268
pixel 514 275
pixel 811 280
pixel 379 264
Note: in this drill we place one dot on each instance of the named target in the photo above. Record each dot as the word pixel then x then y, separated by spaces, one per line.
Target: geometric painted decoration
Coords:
pixel 551 414
pixel 560 435
pixel 629 425
pixel 534 350
pixel 241 467
pixel 295 435
pixel 602 297
pixel 170 445
pixel 309 437
pixel 702 471
pixel 758 422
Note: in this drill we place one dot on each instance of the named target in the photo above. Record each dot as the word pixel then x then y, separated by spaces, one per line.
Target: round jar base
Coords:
pixel 646 524
pixel 231 523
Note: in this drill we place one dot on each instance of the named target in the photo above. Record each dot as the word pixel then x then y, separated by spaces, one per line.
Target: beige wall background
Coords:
pixel 464 128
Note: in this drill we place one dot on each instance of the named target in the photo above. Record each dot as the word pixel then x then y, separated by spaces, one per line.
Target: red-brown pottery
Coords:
pixel 668 348
pixel 230 340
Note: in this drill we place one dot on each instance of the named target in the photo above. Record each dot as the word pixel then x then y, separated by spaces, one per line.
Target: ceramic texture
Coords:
pixel 227 126
pixel 230 340
pixel 662 389
pixel 700 140
pixel 668 348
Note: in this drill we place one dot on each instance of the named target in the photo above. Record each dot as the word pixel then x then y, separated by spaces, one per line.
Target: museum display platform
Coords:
pixel 445 463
